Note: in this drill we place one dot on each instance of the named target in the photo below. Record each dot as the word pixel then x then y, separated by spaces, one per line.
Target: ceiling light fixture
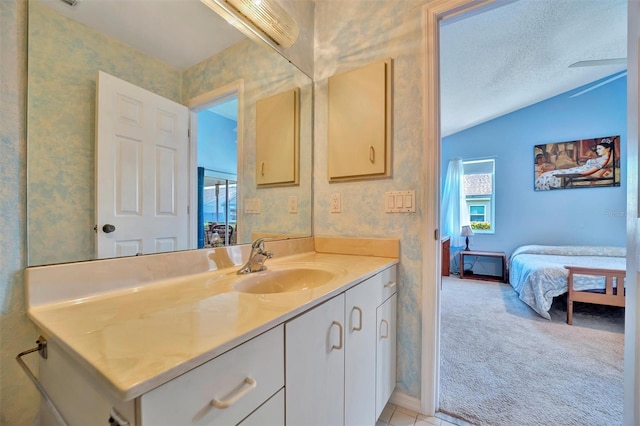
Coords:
pixel 265 16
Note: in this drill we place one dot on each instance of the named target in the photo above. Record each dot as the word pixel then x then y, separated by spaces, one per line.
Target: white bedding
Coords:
pixel 538 273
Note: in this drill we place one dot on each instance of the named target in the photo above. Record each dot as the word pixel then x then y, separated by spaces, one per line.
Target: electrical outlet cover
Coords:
pixel 293 204
pixel 336 204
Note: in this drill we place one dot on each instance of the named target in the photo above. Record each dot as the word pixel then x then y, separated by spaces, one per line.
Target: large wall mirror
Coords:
pixel 219 84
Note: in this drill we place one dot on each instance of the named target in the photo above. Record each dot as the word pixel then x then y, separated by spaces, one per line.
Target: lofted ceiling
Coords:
pixel 493 61
pixel 518 53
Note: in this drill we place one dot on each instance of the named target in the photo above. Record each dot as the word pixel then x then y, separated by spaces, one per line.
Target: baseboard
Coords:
pixel 405 401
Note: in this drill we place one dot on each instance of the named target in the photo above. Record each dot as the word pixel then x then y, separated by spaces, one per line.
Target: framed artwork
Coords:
pixel 585 163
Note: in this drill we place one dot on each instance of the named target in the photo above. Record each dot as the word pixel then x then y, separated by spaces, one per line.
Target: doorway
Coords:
pixel 216 134
pixel 434 13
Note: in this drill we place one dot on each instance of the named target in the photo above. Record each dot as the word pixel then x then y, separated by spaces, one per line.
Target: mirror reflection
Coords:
pixel 64 58
pixel 218 204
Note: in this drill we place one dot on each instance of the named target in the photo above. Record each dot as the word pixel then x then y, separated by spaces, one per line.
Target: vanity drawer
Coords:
pixel 238 382
pixel 270 413
pixel 385 284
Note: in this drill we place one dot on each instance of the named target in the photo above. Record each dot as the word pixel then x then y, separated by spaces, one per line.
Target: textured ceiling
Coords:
pixel 180 33
pixel 517 54
pixel 493 61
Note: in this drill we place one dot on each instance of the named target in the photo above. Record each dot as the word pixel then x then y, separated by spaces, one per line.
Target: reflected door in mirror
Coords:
pixel 142 163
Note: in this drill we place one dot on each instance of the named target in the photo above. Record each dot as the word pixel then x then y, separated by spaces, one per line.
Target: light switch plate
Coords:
pixel 400 201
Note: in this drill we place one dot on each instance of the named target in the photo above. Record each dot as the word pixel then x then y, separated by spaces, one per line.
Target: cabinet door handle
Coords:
pixel 372 154
pixel 233 398
pixel 262 168
pixel 359 327
pixel 386 333
pixel 339 345
pixel 390 284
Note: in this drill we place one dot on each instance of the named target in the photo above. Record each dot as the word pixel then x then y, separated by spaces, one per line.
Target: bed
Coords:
pixel 538 273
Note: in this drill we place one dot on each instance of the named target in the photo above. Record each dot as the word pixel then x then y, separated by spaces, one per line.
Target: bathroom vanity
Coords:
pixel 309 341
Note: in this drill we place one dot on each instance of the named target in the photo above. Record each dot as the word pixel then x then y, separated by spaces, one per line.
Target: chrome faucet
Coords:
pixel 257 258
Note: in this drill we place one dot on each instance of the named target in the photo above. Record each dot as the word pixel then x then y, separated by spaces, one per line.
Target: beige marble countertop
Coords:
pixel 136 339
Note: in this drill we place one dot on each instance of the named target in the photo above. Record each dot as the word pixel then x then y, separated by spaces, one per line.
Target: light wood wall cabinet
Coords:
pixel 332 351
pixel 359 122
pixel 277 139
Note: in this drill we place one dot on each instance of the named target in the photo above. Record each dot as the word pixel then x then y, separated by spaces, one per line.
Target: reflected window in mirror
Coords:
pixel 217 216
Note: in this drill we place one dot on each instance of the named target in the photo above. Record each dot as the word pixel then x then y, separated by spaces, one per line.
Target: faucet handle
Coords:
pixel 268 254
pixel 258 243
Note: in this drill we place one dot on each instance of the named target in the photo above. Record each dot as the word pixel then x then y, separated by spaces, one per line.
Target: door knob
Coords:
pixel 108 228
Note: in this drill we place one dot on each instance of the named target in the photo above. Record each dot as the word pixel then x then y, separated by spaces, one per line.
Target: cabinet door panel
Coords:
pixel 277 138
pixel 359 121
pixel 386 353
pixel 360 350
pixel 314 379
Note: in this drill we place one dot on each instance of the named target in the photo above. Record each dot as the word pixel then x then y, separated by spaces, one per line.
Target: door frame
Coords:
pixel 631 411
pixel 432 13
pixel 196 104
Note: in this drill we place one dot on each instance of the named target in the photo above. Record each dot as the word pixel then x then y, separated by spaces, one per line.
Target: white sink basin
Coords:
pixel 283 280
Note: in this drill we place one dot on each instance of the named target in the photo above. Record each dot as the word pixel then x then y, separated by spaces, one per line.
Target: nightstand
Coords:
pixel 494 254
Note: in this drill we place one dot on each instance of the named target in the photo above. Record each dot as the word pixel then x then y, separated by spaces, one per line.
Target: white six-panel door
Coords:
pixel 142 170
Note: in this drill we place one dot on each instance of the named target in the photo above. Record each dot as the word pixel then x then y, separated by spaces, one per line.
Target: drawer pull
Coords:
pixel 359 327
pixel 339 345
pixel 242 391
pixel 390 284
pixel 386 333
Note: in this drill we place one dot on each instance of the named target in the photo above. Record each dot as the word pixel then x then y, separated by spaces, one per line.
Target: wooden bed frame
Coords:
pixel 610 297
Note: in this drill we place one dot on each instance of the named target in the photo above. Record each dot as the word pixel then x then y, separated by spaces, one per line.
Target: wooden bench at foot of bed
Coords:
pixel 610 296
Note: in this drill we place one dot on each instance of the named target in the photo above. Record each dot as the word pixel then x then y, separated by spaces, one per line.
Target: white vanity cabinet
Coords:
pixel 386 352
pixel 269 413
pixel 359 355
pixel 314 374
pixel 222 391
pixel 241 386
pixel 333 364
pixel 333 359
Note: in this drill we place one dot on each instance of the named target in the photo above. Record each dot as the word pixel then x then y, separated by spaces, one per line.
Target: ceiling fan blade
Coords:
pixel 597 62
pixel 602 83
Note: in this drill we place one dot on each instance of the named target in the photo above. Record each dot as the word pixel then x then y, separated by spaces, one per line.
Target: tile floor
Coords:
pixel 393 415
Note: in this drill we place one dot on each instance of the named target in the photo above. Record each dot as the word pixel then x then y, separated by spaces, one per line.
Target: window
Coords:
pixel 477 213
pixel 479 193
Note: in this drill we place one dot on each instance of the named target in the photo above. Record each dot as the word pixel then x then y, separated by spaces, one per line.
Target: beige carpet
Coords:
pixel 502 364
